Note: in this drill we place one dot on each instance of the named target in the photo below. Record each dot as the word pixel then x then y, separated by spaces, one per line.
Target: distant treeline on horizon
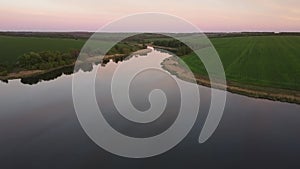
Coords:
pixel 86 35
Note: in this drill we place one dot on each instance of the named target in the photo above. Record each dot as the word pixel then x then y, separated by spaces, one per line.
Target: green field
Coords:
pixel 13 47
pixel 271 61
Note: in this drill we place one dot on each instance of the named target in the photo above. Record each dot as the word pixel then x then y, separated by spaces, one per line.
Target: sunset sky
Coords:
pixel 208 15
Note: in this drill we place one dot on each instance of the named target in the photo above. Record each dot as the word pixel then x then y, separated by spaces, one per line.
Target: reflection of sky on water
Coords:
pixel 39 129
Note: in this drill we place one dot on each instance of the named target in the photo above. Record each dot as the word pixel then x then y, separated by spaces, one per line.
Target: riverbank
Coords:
pixel 174 67
pixel 31 73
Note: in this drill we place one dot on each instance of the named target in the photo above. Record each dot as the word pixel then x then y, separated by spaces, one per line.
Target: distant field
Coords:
pixel 13 47
pixel 272 61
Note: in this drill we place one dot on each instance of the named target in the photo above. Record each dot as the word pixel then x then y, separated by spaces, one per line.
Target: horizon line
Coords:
pixel 85 31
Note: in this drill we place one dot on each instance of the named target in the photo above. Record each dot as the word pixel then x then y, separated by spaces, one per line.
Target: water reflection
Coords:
pixel 4 81
pixel 47 76
pixel 140 87
pixel 39 129
pixel 85 67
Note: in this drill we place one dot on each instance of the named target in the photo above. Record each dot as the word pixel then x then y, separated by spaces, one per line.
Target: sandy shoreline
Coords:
pixel 171 65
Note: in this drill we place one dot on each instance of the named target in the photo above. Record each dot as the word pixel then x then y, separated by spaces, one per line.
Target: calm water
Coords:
pixel 39 127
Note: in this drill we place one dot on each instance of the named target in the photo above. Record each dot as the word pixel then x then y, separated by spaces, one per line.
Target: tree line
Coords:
pixel 181 48
pixel 46 59
pixel 125 48
pixel 3 69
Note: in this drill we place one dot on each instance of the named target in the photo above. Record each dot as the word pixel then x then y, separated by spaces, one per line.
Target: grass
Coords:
pixel 13 47
pixel 268 61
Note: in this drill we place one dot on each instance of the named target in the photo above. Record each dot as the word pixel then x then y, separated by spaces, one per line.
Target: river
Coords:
pixel 39 127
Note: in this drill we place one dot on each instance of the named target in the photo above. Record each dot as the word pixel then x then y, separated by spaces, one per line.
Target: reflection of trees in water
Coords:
pixel 104 62
pixel 118 59
pixel 48 76
pixel 85 67
pixel 125 58
pixel 4 81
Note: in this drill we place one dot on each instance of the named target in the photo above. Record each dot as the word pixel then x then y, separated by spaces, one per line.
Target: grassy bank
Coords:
pixel 266 61
pixel 175 67
pixel 257 66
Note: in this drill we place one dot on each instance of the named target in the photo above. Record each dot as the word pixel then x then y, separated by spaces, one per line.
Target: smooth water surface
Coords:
pixel 39 127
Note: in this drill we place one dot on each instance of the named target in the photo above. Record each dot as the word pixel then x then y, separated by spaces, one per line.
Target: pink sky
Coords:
pixel 208 15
